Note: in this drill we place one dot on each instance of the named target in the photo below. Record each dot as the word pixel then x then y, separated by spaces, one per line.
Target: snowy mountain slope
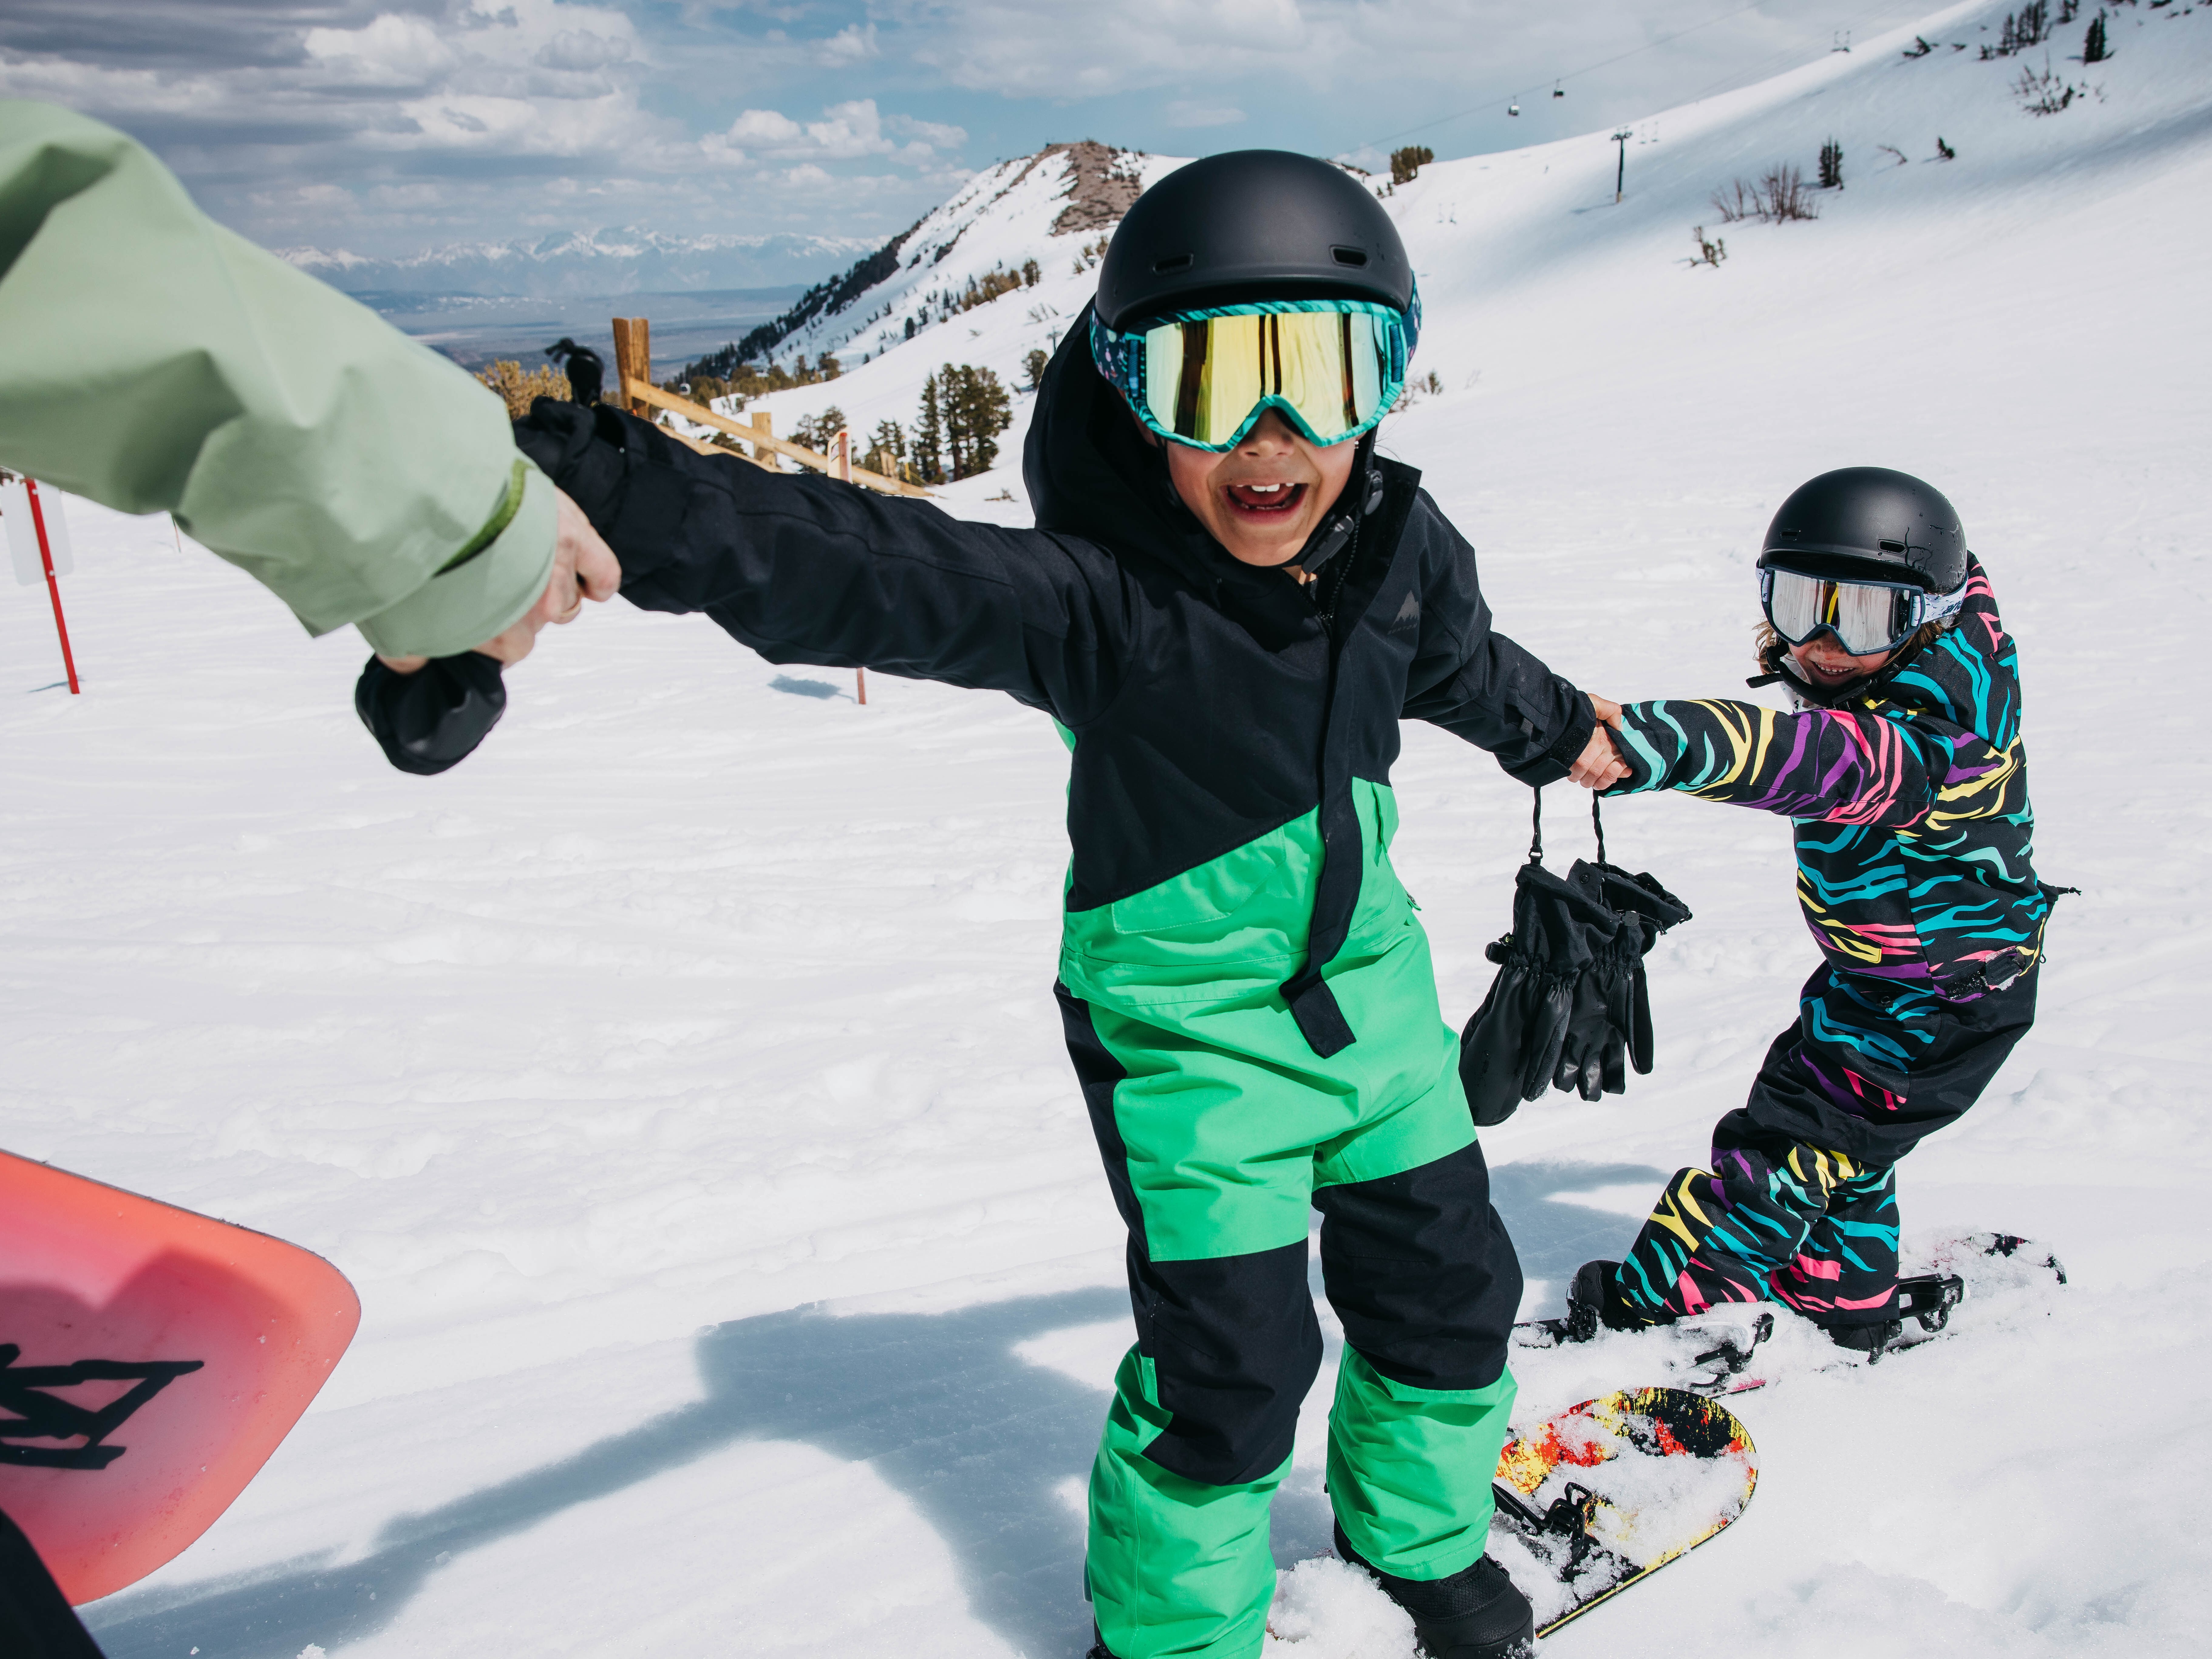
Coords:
pixel 1051 208
pixel 702 996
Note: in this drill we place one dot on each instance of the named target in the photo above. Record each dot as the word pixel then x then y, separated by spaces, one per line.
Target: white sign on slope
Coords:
pixel 23 535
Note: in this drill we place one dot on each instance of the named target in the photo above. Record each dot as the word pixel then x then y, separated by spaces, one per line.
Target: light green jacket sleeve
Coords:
pixel 152 361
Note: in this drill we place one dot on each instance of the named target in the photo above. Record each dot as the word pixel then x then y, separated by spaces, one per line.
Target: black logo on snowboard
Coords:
pixel 42 1415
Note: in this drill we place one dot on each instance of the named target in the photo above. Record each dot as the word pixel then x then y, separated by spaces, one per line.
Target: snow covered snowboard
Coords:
pixel 1706 1353
pixel 1608 1493
pixel 1967 1265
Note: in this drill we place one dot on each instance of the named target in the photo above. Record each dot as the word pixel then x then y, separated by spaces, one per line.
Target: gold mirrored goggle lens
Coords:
pixel 1205 379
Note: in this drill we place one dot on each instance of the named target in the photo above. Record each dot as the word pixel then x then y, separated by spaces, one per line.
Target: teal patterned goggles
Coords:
pixel 1204 378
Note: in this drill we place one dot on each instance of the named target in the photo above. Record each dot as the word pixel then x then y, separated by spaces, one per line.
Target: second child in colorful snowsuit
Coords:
pixel 1228 605
pixel 1904 771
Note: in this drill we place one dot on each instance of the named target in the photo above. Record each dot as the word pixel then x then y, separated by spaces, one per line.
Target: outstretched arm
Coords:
pixel 810 570
pixel 1837 766
pixel 157 362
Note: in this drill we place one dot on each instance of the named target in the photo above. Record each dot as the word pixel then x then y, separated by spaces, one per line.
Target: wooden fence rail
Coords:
pixel 634 366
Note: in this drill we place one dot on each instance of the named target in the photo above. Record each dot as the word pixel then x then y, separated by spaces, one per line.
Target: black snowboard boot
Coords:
pixel 1873 1340
pixel 1476 1613
pixel 1593 1301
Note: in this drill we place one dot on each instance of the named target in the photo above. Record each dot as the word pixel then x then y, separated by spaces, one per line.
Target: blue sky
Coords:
pixel 385 126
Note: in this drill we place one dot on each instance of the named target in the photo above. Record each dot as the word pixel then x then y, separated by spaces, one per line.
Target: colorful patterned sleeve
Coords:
pixel 1834 766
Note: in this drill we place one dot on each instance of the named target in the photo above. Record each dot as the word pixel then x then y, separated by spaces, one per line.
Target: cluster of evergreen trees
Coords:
pixel 1405 164
pixel 955 433
pixel 743 379
pixel 2028 27
pixel 947 303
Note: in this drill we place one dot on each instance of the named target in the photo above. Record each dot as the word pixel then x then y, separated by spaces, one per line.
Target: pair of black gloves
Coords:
pixel 1570 1006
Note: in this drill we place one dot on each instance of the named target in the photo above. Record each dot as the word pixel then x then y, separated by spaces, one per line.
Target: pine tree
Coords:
pixel 2094 50
pixel 1405 164
pixel 956 427
pixel 1832 166
pixel 929 435
pixel 984 411
pixel 1033 362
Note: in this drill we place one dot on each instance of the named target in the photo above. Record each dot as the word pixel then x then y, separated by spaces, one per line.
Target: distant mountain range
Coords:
pixel 590 262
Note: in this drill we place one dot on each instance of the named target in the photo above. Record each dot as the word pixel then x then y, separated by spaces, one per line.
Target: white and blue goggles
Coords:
pixel 1863 617
pixel 1203 378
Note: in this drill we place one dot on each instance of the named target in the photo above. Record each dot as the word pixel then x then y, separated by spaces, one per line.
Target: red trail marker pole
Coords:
pixel 53 587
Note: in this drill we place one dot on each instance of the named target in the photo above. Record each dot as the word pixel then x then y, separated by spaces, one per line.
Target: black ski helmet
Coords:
pixel 1872 524
pixel 1248 224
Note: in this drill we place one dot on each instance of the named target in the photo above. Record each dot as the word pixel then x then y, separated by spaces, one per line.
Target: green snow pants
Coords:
pixel 1222 1132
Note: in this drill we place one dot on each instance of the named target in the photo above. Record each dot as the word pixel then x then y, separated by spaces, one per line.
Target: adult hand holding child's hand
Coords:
pixel 1600 765
pixel 584 568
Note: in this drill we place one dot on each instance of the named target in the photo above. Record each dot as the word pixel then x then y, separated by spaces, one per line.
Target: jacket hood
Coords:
pixel 1089 474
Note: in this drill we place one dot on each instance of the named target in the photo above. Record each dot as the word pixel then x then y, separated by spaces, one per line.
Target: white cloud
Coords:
pixel 580 48
pixel 845 132
pixel 392 51
pixel 1188 112
pixel 853 44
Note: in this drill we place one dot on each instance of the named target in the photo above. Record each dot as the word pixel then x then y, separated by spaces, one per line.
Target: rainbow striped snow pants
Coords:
pixel 1800 1206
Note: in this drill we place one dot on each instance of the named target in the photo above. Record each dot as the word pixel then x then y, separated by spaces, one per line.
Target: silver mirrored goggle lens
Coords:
pixel 1865 617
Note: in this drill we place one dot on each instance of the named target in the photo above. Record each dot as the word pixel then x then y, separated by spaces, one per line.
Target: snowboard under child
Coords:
pixel 1904 769
pixel 1228 605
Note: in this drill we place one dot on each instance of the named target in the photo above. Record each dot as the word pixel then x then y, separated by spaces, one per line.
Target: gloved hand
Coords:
pixel 1609 1027
pixel 434 718
pixel 1513 1045
pixel 1592 1054
pixel 1653 910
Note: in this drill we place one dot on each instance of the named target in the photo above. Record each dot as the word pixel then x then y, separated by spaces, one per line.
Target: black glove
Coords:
pixel 1652 910
pixel 1593 1052
pixel 434 718
pixel 1512 1047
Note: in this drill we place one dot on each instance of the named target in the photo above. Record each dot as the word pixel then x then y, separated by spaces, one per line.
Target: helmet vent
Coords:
pixel 1172 262
pixel 1892 547
pixel 1349 256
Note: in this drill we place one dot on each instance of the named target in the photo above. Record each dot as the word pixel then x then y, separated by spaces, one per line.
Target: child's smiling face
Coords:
pixel 1827 664
pixel 1262 499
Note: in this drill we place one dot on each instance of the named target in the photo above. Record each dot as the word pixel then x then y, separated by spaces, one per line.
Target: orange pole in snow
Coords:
pixel 53 587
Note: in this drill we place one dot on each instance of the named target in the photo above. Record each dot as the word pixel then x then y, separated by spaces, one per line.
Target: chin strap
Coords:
pixel 1335 533
pixel 1782 670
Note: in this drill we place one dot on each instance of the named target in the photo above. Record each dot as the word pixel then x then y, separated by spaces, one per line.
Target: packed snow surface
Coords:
pixel 679 1083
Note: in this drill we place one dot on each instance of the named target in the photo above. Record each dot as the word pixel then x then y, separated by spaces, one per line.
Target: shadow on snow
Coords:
pixel 939 1405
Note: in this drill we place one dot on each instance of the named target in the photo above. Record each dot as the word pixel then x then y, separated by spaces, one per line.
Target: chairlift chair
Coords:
pixel 1513 108
pixel 1558 91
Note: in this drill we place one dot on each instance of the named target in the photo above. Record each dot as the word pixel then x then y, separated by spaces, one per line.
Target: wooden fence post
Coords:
pixel 845 471
pixel 764 423
pixel 633 360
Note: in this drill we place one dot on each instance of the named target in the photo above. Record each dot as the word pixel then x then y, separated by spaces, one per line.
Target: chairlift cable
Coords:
pixel 1591 69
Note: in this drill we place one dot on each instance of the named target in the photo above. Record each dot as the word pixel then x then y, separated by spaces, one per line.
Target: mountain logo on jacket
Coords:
pixel 1409 613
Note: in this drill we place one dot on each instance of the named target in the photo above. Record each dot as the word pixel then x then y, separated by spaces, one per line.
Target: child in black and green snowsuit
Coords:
pixel 1228 605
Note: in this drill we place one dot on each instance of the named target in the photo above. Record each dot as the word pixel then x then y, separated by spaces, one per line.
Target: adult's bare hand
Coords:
pixel 1600 765
pixel 584 568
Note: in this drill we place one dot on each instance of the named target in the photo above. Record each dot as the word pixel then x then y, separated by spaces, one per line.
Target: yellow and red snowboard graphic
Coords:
pixel 1608 1492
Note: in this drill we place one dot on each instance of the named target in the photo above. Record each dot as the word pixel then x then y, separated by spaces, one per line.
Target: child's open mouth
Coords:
pixel 1261 499
pixel 1833 673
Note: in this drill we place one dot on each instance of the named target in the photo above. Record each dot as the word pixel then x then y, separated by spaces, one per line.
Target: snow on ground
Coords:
pixel 678 1080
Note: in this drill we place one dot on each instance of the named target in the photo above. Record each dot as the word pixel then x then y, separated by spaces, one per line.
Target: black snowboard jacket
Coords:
pixel 1210 702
